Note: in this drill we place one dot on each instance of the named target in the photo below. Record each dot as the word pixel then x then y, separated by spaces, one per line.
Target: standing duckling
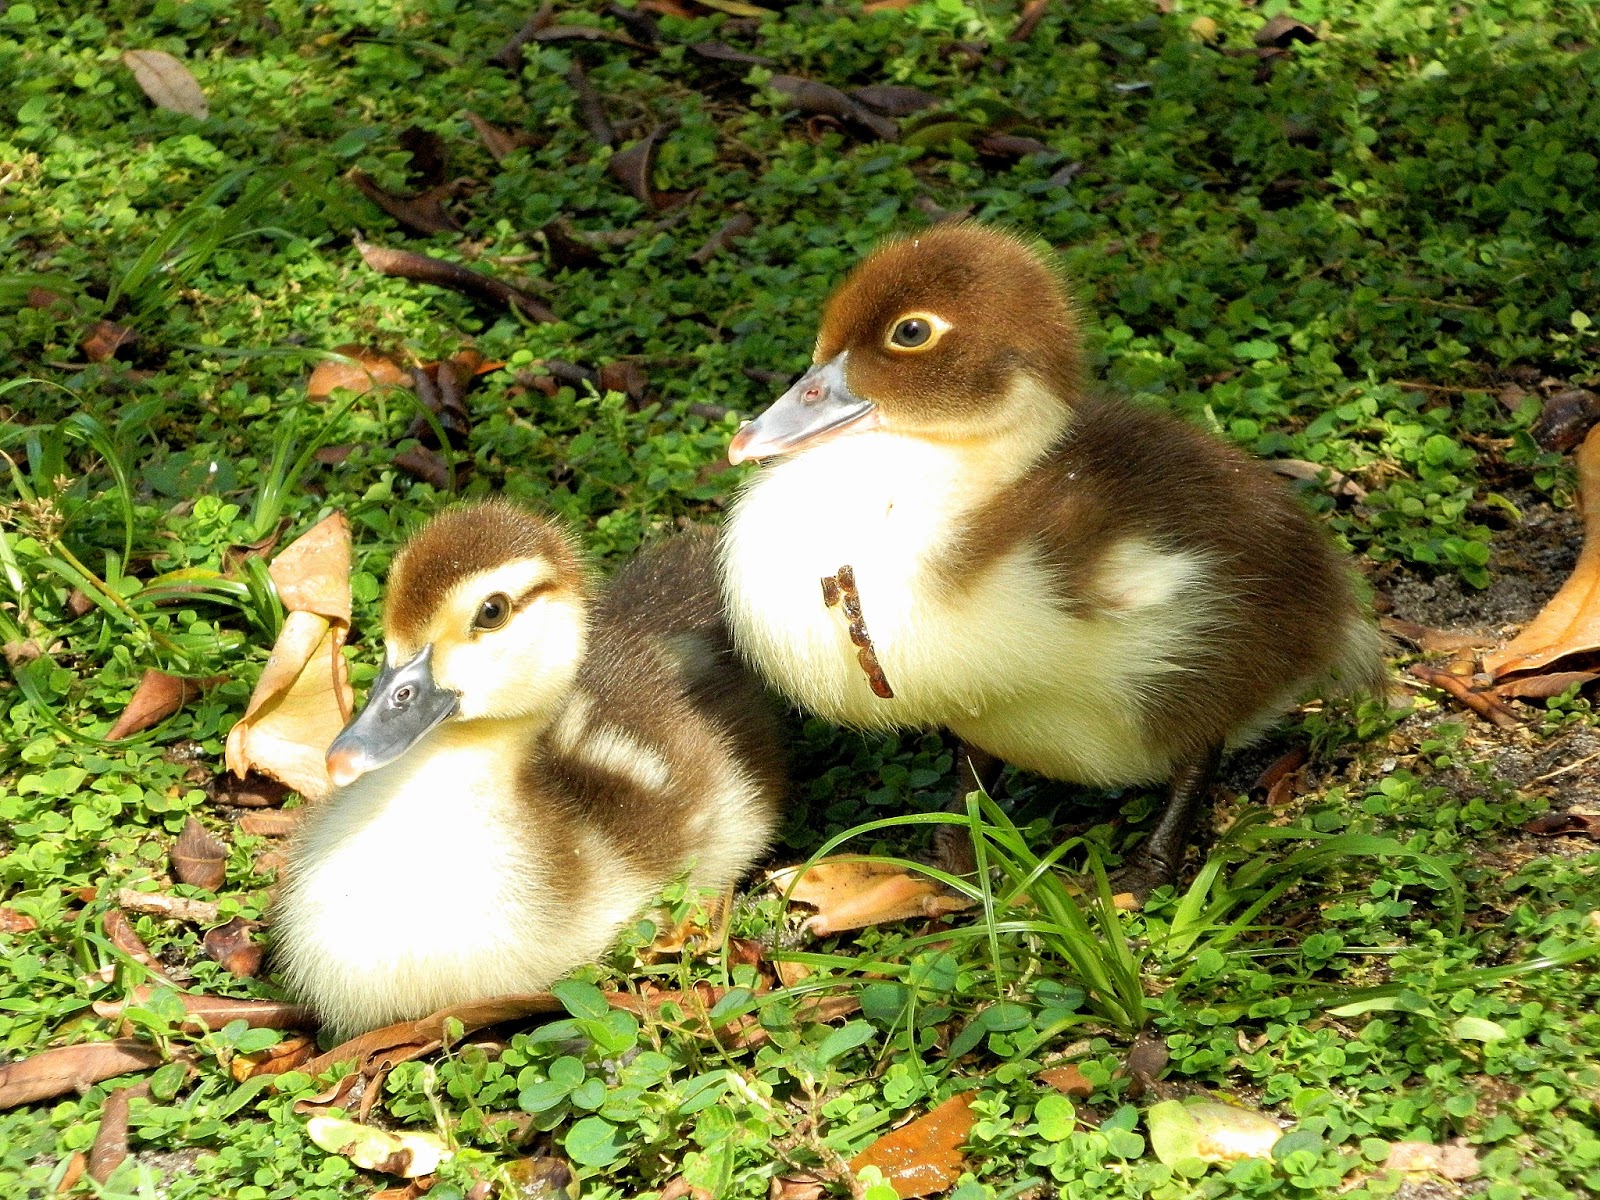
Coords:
pixel 958 535
pixel 532 766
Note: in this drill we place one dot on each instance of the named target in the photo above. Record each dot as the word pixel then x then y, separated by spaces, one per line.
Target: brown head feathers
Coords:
pixel 465 541
pixel 940 324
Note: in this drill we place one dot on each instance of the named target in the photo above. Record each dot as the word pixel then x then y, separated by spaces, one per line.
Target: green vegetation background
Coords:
pixel 1340 257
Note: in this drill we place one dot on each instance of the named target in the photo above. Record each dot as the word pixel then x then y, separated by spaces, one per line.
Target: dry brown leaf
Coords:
pixel 198 858
pixel 734 228
pixel 404 264
pixel 1565 418
pixel 426 464
pixel 1441 641
pixel 1068 1080
pixel 1283 30
pixel 213 1012
pixel 313 572
pixel 120 930
pixel 111 1140
pixel 821 99
pixel 1337 482
pixel 497 141
pixel 851 894
pixel 924 1157
pixel 288 1055
pixel 233 946
pixel 76 1165
pixel 1032 13
pixel 11 921
pixel 1542 687
pixel 1570 622
pixel 103 341
pixel 367 370
pixel 422 213
pixel 406 1040
pixel 303 697
pixel 1556 824
pixel 167 82
pixel 157 697
pixel 255 790
pixel 635 168
pixel 798 1187
pixel 1453 1160
pixel 274 822
pixel 72 1068
pixel 163 904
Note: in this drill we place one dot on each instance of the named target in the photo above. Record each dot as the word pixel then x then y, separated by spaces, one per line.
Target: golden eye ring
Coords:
pixel 916 332
pixel 492 613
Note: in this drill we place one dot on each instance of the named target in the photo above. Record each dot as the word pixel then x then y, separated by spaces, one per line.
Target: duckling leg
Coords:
pixel 1155 861
pixel 976 770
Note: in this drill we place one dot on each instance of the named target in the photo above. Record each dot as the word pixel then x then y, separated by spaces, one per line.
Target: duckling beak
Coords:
pixel 404 705
pixel 820 403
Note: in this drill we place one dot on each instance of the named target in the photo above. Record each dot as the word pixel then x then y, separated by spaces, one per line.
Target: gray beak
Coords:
pixel 819 403
pixel 404 706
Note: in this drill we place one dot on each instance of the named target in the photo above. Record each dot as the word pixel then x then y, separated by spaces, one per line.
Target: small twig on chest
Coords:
pixel 840 589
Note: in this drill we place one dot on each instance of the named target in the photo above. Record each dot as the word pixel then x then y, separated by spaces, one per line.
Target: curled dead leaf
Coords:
pixel 1068 1080
pixel 821 99
pixel 1570 623
pixel 288 1055
pixel 233 946
pixel 500 144
pixel 103 341
pixel 11 921
pixel 157 697
pixel 205 1013
pixel 303 697
pixel 111 1140
pixel 420 268
pixel 72 1068
pixel 850 894
pixel 272 823
pixel 198 858
pixel 635 168
pixel 122 935
pixel 362 370
pixel 422 213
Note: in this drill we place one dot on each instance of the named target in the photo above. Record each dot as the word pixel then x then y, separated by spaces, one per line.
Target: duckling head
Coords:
pixel 955 333
pixel 485 619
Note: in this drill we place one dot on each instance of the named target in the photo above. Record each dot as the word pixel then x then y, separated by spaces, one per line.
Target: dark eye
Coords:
pixel 492 613
pixel 911 333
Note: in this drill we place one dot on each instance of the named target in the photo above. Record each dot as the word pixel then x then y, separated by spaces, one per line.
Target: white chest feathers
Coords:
pixel 417 887
pixel 997 660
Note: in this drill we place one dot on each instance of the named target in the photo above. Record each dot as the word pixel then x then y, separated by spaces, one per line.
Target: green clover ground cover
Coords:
pixel 1343 255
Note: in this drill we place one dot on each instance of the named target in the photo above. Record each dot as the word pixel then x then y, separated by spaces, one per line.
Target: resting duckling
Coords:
pixel 532 766
pixel 959 535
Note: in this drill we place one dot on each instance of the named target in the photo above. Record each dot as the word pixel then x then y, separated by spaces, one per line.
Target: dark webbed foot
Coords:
pixel 1156 860
pixel 976 770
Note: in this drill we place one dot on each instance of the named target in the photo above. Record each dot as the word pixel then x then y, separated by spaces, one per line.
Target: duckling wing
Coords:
pixel 1138 517
pixel 674 753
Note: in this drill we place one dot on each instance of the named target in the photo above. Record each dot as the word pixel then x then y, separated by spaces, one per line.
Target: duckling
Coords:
pixel 533 764
pixel 1090 590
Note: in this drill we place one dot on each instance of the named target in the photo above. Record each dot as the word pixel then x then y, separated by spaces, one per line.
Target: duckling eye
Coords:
pixel 493 612
pixel 916 332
